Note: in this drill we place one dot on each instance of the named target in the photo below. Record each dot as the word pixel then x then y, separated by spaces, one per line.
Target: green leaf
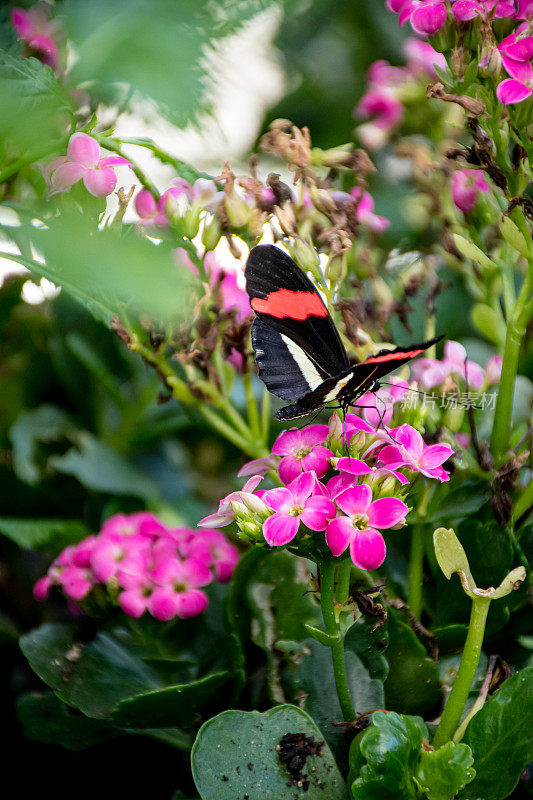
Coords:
pixel 412 685
pixel 489 322
pixel 469 250
pixel 173 705
pixel 34 534
pixel 235 755
pixel 91 676
pixel 45 423
pixel 391 747
pixel 97 466
pixel 111 273
pixel 46 718
pixel 35 108
pixel 500 736
pixel 443 772
pixel 129 49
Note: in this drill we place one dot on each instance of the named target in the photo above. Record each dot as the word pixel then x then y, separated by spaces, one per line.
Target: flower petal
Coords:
pixel 83 149
pixel 302 487
pixel 317 461
pixel 512 91
pixel 411 439
pixel 289 468
pixel 356 500
pixel 314 434
pixel 66 175
pixel 100 182
pixel 317 511
pixel 435 455
pixel 280 529
pixel 287 442
pixel 191 603
pixel 387 512
pixel 339 534
pixel 279 499
pixel 353 466
pixel 368 549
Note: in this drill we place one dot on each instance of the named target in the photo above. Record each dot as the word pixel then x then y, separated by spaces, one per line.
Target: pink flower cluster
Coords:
pixel 348 499
pixel 36 30
pixel 144 566
pixel 153 212
pixel 430 372
pixel 467 185
pixel 382 103
pixel 83 162
pixel 429 16
pixel 516 52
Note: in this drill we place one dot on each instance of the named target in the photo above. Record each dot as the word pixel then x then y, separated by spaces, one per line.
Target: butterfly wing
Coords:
pixel 380 364
pixel 287 304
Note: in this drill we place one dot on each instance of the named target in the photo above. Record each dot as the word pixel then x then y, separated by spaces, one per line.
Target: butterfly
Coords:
pixel 297 347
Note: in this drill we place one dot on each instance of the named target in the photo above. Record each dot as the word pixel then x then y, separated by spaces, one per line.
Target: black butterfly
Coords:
pixel 297 347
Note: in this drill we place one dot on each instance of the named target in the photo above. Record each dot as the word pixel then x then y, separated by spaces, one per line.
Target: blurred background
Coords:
pixel 81 433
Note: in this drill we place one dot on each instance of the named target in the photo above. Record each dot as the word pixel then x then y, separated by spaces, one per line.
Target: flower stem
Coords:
pixel 516 328
pixel 114 146
pixel 251 403
pixel 416 558
pixel 523 502
pixel 453 710
pixel 336 642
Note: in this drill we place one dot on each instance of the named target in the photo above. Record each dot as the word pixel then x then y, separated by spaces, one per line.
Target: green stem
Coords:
pixel 344 572
pixel 416 557
pixel 516 328
pixel 265 414
pixel 327 602
pixel 251 404
pixel 416 561
pixel 462 684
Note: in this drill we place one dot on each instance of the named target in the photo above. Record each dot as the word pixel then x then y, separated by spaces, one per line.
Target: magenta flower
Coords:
pixel 465 10
pixel 365 211
pixel 76 582
pixel 302 451
pixel 83 162
pixel 177 593
pixel 258 466
pixel 212 548
pixel 455 359
pixel 152 212
pixel 386 111
pixel 292 503
pixel 358 529
pixel 466 187
pixel 426 16
pixel 37 31
pixel 411 451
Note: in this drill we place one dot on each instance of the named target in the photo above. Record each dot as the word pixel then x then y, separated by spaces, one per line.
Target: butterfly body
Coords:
pixel 298 350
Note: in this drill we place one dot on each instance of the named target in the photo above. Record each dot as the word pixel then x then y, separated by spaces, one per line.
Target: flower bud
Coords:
pixel 336 269
pixel 211 233
pixel 237 211
pixel 305 255
pixel 357 443
pixel 191 221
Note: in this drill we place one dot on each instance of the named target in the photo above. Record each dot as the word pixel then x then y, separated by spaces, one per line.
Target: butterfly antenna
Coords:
pixel 436 396
pixel 313 418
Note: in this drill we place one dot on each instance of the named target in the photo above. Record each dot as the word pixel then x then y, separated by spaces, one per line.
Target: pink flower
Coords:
pixel 152 212
pixel 365 211
pixel 35 29
pixel 233 297
pixel 259 466
pixel 411 451
pixel 381 104
pixel 513 91
pixel 212 548
pixel 135 600
pixel 108 556
pixel 293 503
pixel 358 529
pixel 465 10
pixel 83 162
pixel 493 370
pixel 302 451
pixel 457 363
pixel 422 57
pixel 76 582
pixel 42 587
pixel 177 593
pixel 466 186
pixel 426 16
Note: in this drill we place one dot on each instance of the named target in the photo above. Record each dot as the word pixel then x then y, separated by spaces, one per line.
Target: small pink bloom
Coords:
pixel 134 602
pixel 302 451
pixel 493 370
pixel 466 186
pixel 412 452
pixel 422 57
pixel 224 515
pixel 293 503
pixel 35 29
pixel 455 359
pixel 212 548
pixel 383 106
pixel 259 466
pixel 83 162
pixel 42 587
pixel 76 582
pixel 358 530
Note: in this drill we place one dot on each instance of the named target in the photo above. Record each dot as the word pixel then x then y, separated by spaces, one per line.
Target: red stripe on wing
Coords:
pixel 296 305
pixel 393 356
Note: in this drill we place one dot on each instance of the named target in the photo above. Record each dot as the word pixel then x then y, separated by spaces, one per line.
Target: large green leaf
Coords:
pixel 501 738
pixel 90 676
pixel 112 274
pixel 412 685
pixel 235 755
pixel 46 423
pixel 391 747
pixel 33 534
pixel 97 466
pixel 35 108
pixel 442 773
pixel 156 49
